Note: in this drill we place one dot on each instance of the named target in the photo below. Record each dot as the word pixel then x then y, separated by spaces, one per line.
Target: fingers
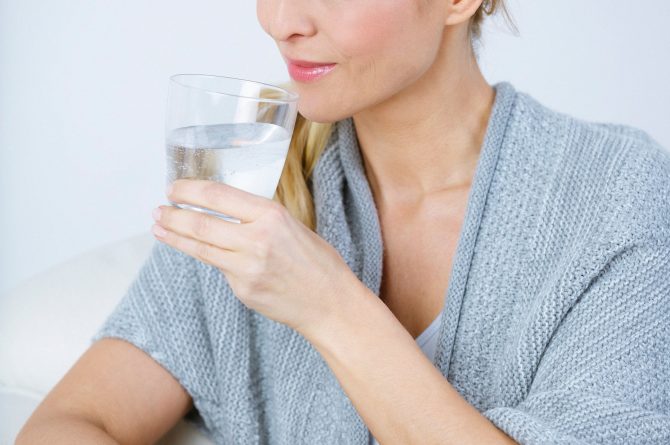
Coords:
pixel 202 227
pixel 202 251
pixel 219 197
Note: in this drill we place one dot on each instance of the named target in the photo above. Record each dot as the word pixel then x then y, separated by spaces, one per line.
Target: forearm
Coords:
pixel 397 391
pixel 62 430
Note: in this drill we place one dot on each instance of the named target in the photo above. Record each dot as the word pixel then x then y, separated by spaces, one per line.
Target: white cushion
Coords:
pixel 46 324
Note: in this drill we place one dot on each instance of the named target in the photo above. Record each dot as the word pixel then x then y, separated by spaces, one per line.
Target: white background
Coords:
pixel 83 86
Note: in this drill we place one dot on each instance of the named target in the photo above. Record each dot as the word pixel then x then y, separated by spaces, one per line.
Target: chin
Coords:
pixel 321 111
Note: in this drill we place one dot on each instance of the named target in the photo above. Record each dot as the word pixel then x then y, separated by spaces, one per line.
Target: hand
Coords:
pixel 273 263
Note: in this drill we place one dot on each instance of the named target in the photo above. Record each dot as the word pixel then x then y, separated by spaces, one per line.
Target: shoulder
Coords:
pixel 619 170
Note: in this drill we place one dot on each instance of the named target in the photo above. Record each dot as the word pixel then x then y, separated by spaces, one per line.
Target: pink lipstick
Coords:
pixel 305 71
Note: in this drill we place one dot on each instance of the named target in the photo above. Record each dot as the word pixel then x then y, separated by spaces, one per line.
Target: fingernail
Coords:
pixel 158 230
pixel 156 214
pixel 168 190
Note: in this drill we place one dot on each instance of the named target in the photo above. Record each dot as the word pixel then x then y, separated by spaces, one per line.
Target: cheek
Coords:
pixel 373 32
pixel 389 41
pixel 387 48
pixel 382 47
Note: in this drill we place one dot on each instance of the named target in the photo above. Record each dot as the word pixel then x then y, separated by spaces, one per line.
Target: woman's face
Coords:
pixel 379 47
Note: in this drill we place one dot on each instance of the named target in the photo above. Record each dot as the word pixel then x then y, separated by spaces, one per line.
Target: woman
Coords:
pixel 448 262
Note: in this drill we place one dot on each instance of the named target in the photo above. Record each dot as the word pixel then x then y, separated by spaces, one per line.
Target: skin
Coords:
pixel 114 394
pixel 402 66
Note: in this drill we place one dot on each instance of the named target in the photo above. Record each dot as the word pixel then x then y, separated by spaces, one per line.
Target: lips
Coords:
pixel 306 71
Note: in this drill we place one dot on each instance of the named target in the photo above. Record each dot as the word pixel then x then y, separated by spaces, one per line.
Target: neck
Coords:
pixel 427 138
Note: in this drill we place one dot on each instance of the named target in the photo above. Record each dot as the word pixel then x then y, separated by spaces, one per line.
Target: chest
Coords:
pixel 419 249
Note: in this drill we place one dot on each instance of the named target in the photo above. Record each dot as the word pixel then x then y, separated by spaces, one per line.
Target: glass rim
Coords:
pixel 292 96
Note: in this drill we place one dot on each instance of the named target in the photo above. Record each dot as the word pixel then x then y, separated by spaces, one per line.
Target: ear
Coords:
pixel 459 11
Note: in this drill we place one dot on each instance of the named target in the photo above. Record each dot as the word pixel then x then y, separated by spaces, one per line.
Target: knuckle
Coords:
pixel 203 251
pixel 213 193
pixel 175 241
pixel 201 227
pixel 276 212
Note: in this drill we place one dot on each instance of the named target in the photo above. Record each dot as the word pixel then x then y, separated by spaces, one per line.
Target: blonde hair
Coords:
pixel 310 138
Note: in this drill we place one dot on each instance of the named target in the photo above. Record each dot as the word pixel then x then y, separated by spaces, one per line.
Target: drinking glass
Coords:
pixel 228 130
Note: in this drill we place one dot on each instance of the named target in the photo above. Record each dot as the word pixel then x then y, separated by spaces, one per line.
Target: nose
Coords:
pixel 292 20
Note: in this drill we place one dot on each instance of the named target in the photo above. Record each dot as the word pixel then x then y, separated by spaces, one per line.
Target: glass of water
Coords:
pixel 228 130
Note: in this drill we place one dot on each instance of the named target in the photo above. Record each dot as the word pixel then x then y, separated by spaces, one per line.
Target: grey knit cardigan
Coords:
pixel 556 319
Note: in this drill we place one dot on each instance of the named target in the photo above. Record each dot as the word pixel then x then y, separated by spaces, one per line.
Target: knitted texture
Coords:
pixel 555 321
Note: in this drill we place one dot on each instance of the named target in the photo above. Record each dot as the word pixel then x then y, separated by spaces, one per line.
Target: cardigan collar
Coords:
pixel 347 218
pixel 347 215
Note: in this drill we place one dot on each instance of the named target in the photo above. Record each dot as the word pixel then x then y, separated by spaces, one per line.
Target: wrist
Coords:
pixel 349 304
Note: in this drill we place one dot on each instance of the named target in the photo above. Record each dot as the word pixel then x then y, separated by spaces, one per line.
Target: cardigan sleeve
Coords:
pixel 604 377
pixel 162 314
